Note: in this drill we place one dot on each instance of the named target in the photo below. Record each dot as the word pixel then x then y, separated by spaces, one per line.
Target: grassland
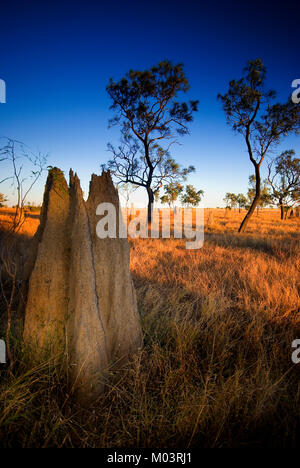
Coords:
pixel 216 368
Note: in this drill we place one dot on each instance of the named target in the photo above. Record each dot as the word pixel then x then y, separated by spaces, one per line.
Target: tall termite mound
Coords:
pixel 81 297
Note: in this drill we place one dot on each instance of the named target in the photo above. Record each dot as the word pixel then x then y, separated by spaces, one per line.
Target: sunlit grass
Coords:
pixel 216 368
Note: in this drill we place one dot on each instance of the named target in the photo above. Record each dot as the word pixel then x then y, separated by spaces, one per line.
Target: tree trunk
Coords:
pixel 150 205
pixel 287 212
pixel 255 201
pixel 281 211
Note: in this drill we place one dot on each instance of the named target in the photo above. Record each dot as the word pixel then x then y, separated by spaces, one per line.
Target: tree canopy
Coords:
pixel 172 191
pixel 191 196
pixel 230 200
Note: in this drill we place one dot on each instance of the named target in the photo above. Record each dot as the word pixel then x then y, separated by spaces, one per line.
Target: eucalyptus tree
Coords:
pixel 151 118
pixel 250 111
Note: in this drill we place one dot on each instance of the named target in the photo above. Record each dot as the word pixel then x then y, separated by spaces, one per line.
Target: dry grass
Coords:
pixel 28 228
pixel 215 370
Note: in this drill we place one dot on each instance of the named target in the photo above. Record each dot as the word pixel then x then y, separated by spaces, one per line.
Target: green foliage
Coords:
pixel 231 200
pixel 249 110
pixel 191 197
pixel 172 191
pixel 146 100
pixel 241 200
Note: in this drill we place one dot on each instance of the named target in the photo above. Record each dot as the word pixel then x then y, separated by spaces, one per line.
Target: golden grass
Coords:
pixel 216 368
pixel 28 228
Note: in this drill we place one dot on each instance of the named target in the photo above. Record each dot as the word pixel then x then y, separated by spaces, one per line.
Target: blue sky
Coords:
pixel 57 58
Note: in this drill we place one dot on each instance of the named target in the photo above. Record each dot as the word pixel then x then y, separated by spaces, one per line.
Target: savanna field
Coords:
pixel 215 369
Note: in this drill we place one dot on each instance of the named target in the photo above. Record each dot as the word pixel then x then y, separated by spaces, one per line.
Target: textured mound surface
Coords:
pixel 81 296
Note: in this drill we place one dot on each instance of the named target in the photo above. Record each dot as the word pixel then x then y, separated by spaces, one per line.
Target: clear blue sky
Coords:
pixel 57 58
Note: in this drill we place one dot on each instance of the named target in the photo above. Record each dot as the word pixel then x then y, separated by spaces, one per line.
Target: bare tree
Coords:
pixel 22 178
pixel 125 191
